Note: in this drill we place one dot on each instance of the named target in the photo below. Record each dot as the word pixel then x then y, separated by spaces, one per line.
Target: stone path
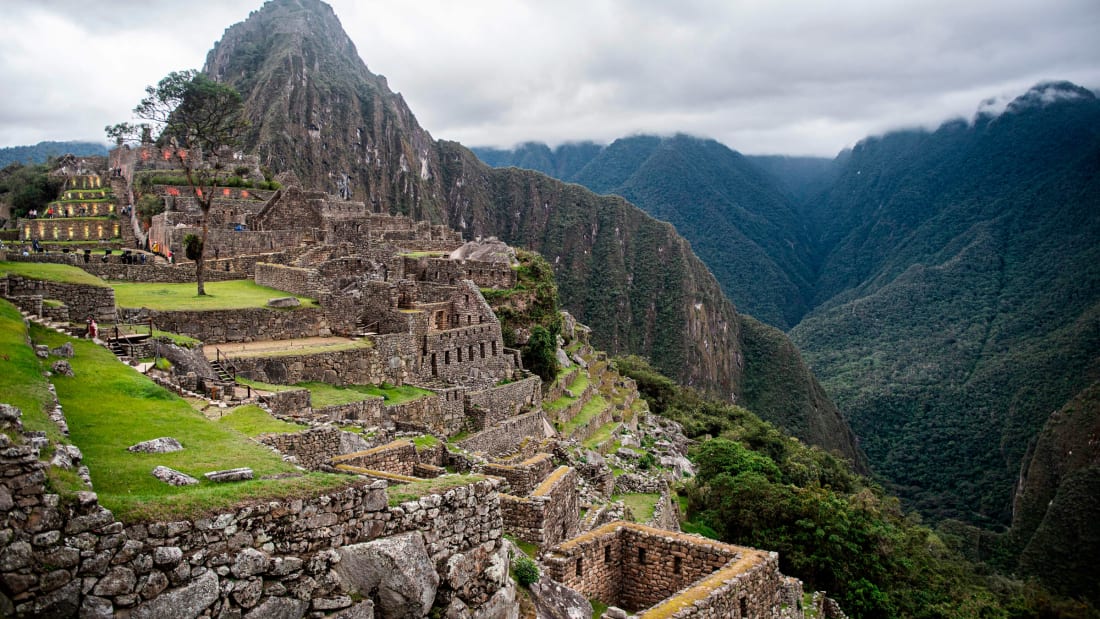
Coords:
pixel 237 348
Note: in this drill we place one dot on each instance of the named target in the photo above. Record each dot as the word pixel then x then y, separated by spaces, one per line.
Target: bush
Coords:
pixel 525 570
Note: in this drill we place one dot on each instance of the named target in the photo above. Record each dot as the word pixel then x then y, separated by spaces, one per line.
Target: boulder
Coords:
pixel 563 358
pixel 162 445
pixel 173 477
pixel 477 574
pixel 488 250
pixel 239 474
pixel 182 603
pixel 62 367
pixel 395 572
pixel 284 302
pixel 65 350
pixel 42 351
pixel 555 601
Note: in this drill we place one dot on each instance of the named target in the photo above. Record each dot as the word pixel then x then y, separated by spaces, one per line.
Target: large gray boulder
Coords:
pixel 181 603
pixel 279 608
pixel 162 445
pixel 173 477
pixel 395 572
pixel 556 601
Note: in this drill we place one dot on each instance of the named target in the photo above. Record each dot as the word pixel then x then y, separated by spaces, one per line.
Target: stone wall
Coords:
pixel 357 366
pixel 447 271
pixel 504 401
pixel 434 413
pixel 508 436
pixel 293 402
pixel 524 477
pixel 369 412
pixel 398 457
pixel 274 558
pixel 312 449
pixel 241 325
pixel 72 228
pixel 83 300
pixel 550 515
pixel 299 281
pixel 154 273
pixel 637 567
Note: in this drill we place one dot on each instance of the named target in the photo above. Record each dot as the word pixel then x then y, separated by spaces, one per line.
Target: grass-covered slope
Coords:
pixel 109 407
pixel 233 294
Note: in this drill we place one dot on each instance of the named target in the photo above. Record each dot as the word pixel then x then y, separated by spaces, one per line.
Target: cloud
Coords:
pixel 762 77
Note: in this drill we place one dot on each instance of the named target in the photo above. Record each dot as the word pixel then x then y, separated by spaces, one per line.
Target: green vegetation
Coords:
pixel 109 407
pixel 529 549
pixel 21 381
pixel 324 394
pixel 641 506
pixel 251 420
pixel 532 302
pixel 234 294
pixel 602 435
pixel 160 178
pixel 62 273
pixel 539 353
pixel 42 152
pixel 27 187
pixel 425 441
pixel 525 570
pixel 833 529
pixel 593 407
pixel 598 608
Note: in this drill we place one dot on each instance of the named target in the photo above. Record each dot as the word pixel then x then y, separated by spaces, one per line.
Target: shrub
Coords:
pixel 525 570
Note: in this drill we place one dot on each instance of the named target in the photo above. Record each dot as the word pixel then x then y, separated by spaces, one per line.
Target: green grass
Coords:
pixel 399 494
pixel 424 254
pixel 641 505
pixel 234 294
pixel 425 441
pixel 51 272
pixel 598 608
pixel 109 407
pixel 594 407
pixel 324 394
pixel 601 435
pixel 21 381
pixel 251 420
pixel 529 549
pixel 580 383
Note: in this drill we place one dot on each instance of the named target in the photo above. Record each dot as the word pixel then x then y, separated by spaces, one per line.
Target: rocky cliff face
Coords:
pixel 317 111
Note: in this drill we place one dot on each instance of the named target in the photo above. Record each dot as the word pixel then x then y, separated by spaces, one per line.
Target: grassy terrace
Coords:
pixel 251 420
pixel 324 394
pixel 52 272
pixel 291 349
pixel 579 384
pixel 399 494
pixel 601 435
pixel 109 407
pixel 641 505
pixel 234 294
pixel 594 407
pixel 21 381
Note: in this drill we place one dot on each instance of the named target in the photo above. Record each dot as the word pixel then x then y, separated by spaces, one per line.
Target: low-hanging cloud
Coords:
pixel 795 78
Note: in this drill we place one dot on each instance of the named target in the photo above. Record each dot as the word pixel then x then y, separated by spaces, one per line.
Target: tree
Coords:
pixel 539 353
pixel 202 120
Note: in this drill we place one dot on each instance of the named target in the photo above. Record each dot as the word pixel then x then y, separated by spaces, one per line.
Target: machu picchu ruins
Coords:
pixel 364 305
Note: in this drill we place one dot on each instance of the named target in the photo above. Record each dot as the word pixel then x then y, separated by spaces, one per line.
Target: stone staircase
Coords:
pixel 222 372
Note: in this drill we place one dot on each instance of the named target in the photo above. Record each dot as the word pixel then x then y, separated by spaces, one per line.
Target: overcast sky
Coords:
pixel 761 76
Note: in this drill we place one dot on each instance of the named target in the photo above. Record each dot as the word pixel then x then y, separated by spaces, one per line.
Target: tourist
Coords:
pixel 93 328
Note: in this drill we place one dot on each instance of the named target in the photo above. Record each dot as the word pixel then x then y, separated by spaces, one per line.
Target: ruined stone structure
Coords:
pixel 650 571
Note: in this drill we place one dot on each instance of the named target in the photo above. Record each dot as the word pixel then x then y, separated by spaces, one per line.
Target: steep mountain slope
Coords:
pixel 315 110
pixel 318 112
pixel 739 220
pixel 960 295
pixel 38 153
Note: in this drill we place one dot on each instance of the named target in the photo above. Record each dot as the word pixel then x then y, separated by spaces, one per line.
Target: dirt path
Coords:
pixel 236 348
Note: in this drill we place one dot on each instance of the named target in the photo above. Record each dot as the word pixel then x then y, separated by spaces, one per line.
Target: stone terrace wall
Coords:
pixel 525 476
pixel 357 366
pixel 398 457
pixel 268 559
pixel 299 281
pixel 550 515
pixel 242 325
pixel 508 436
pixel 293 402
pixel 431 413
pixel 504 401
pixel 370 412
pixel 83 300
pixel 313 449
pixel 155 273
pixel 635 567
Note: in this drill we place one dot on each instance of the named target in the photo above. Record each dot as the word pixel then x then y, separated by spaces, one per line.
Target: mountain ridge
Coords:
pixel 630 277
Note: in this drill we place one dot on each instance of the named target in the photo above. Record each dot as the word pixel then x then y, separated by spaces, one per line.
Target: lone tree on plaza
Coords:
pixel 202 121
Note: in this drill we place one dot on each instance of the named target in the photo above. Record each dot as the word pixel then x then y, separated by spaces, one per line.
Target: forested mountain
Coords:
pixel 316 111
pixel 953 292
pixel 739 220
pixel 42 151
